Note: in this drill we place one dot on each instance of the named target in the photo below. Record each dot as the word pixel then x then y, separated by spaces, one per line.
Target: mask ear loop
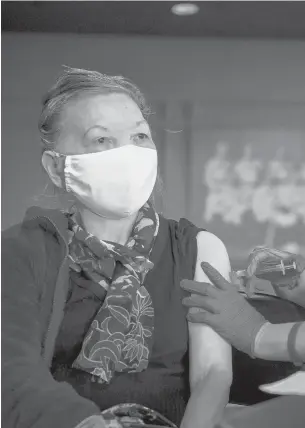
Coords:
pixel 72 208
pixel 61 171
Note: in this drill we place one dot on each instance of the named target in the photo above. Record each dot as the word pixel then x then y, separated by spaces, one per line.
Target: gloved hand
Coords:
pixel 287 287
pixel 224 309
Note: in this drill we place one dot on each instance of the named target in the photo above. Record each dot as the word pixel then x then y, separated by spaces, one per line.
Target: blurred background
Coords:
pixel 226 83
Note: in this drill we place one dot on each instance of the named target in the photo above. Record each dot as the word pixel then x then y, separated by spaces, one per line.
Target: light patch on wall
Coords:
pixel 185 9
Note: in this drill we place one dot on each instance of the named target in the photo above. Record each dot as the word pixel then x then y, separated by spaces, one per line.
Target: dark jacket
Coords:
pixel 35 284
pixel 34 287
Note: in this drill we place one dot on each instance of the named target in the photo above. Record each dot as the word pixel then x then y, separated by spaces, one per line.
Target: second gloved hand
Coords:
pixel 224 309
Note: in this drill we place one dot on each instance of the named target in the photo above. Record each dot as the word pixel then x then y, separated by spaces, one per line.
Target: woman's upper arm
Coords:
pixel 31 396
pixel 21 328
pixel 207 349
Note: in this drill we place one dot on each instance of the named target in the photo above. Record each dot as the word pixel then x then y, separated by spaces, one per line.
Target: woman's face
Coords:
pixel 94 123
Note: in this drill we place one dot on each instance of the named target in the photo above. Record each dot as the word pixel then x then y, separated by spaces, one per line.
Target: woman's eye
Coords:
pixel 141 137
pixel 102 140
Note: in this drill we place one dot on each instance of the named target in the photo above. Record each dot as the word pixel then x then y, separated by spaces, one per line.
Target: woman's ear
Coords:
pixel 53 167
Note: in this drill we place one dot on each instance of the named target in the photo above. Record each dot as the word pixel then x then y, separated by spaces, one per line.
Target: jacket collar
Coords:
pixel 52 220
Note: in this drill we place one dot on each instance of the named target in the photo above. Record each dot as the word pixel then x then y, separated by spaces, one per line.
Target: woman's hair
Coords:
pixel 76 81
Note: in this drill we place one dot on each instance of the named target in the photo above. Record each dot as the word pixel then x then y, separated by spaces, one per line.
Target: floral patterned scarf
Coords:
pixel 121 334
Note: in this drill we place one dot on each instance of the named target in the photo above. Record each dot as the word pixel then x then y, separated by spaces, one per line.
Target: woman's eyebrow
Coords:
pixel 137 124
pixel 140 122
pixel 96 126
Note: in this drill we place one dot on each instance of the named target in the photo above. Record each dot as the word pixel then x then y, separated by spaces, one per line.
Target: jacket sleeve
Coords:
pixel 31 398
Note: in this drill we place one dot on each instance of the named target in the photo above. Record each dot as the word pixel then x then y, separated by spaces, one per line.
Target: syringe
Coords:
pixel 273 272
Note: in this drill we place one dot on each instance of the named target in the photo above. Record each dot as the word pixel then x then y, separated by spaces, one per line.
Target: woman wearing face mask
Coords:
pixel 92 304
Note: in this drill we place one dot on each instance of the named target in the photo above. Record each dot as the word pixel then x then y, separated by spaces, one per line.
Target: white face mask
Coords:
pixel 114 183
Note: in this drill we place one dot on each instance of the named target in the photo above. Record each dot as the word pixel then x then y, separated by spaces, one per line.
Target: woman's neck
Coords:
pixel 108 229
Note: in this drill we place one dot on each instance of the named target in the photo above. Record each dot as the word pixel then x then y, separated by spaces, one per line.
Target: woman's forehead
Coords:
pixel 109 110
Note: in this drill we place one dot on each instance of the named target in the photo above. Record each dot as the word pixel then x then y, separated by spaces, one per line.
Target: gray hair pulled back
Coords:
pixel 76 81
